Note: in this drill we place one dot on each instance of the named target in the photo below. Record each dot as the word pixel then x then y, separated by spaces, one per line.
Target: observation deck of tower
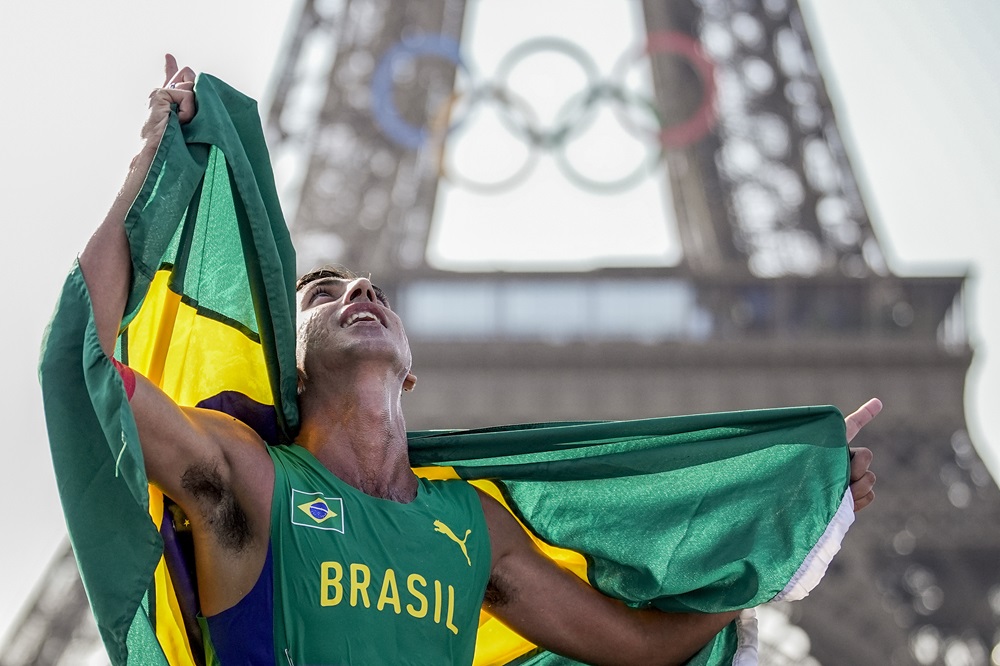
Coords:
pixel 770 289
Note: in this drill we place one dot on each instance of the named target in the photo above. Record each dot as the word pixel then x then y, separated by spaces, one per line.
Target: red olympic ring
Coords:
pixel 703 119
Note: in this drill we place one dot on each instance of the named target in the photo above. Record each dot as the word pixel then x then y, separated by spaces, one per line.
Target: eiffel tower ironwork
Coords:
pixel 782 297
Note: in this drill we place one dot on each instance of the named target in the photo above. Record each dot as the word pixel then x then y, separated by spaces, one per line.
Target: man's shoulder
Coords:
pixel 452 486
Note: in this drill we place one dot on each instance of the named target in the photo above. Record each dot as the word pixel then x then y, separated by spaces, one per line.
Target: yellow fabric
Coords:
pixel 161 347
pixel 170 631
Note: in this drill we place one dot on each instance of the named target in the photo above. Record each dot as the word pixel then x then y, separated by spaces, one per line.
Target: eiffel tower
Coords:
pixel 780 296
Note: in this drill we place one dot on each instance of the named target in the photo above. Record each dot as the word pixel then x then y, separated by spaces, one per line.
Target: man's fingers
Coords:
pixel 185 106
pixel 179 96
pixel 173 77
pixel 180 88
pixel 862 502
pixel 863 485
pixel 862 478
pixel 862 417
pixel 861 460
pixel 162 98
pixel 169 68
pixel 186 75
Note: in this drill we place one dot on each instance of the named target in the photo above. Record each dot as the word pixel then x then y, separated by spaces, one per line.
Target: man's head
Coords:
pixel 343 321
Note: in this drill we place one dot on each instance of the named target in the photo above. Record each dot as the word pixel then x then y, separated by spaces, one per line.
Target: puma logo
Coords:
pixel 445 530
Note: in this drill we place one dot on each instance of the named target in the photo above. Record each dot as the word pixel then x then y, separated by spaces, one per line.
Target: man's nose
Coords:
pixel 361 289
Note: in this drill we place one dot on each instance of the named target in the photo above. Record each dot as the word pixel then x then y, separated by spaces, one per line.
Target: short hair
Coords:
pixel 339 273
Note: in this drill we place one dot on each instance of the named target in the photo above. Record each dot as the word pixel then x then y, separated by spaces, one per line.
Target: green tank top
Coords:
pixel 362 580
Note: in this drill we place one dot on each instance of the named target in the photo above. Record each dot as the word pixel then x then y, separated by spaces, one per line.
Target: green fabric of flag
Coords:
pixel 708 512
pixel 596 487
pixel 207 220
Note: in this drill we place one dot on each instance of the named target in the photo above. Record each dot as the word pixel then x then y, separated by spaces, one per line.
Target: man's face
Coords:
pixel 343 321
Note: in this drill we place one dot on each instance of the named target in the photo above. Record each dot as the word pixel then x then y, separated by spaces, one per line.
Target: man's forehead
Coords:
pixel 318 282
pixel 327 279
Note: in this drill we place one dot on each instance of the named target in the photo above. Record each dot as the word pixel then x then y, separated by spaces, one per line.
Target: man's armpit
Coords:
pixel 500 591
pixel 218 506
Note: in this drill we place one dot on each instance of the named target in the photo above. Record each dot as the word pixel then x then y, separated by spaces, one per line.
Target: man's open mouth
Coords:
pixel 361 316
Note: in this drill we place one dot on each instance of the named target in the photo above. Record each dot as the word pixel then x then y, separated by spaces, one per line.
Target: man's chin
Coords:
pixel 368 349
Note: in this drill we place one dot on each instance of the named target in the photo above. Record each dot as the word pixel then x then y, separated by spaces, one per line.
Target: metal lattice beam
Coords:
pixel 357 197
pixel 56 628
pixel 771 190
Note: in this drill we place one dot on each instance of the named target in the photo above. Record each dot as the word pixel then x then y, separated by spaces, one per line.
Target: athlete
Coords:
pixel 331 550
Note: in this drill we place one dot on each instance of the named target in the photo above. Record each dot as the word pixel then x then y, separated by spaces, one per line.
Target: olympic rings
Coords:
pixel 522 121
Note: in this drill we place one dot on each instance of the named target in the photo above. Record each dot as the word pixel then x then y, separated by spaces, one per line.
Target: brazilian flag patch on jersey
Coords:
pixel 314 510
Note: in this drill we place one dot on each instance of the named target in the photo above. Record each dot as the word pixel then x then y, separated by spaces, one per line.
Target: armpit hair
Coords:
pixel 499 592
pixel 225 517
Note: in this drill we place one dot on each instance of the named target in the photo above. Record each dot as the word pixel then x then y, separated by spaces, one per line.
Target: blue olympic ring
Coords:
pixel 384 109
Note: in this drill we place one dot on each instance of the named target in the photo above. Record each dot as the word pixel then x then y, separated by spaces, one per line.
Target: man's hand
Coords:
pixel 862 478
pixel 178 88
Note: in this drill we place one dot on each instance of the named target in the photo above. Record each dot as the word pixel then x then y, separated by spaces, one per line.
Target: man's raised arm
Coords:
pixel 175 440
pixel 105 262
pixel 215 467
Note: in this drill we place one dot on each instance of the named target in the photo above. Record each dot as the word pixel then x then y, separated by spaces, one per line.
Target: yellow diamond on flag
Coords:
pixel 318 510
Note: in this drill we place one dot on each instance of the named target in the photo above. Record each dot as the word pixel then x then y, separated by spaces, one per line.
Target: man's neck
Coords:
pixel 359 434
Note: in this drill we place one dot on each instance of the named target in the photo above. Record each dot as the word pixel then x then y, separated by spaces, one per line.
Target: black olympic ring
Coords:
pixel 519 118
pixel 508 101
pixel 630 179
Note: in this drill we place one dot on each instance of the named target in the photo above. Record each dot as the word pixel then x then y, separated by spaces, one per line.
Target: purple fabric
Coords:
pixel 244 634
pixel 262 418
pixel 178 553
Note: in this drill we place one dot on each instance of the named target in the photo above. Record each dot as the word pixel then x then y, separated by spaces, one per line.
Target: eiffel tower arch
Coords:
pixel 778 293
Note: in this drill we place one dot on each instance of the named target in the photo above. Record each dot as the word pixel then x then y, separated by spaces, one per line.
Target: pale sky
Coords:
pixel 914 82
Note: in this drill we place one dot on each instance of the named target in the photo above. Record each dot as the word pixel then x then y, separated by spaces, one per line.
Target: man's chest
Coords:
pixel 387 576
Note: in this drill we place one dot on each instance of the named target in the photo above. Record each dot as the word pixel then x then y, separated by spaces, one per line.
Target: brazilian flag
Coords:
pixel 705 513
